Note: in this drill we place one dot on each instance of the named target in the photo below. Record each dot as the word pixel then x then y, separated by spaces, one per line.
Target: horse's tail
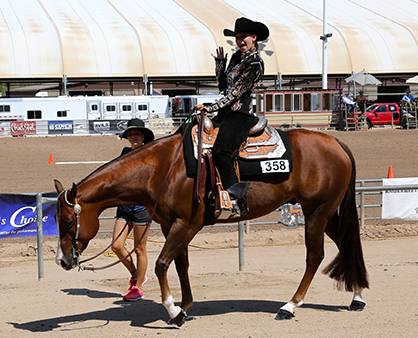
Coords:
pixel 348 267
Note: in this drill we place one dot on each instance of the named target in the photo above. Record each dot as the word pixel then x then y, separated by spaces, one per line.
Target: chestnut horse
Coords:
pixel 322 181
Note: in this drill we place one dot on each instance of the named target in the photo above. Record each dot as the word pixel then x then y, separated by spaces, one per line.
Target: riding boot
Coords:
pixel 237 193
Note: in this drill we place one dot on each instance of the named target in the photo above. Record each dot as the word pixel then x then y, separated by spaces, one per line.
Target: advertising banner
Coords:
pixel 60 127
pixel 4 128
pixel 107 126
pixel 19 128
pixel 18 216
pixel 400 204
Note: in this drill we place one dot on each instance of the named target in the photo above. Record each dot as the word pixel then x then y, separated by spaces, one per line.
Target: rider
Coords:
pixel 136 216
pixel 235 112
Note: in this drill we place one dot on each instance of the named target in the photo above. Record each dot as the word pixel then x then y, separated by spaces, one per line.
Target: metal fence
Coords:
pixel 362 191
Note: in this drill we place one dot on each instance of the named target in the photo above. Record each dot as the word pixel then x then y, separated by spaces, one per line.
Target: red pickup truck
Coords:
pixel 383 114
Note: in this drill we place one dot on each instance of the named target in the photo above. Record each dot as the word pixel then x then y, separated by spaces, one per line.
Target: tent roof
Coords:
pixel 43 39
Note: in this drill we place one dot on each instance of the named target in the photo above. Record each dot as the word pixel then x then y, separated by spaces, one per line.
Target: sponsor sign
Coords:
pixel 107 126
pixel 60 127
pixel 161 125
pixel 19 128
pixel 18 216
pixel 400 204
pixel 4 128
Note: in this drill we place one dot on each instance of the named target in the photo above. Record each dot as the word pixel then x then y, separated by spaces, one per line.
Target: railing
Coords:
pixel 361 190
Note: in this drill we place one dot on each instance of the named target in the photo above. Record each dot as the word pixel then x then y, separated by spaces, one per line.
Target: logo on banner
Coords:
pixel 18 128
pixel 18 216
pixel 121 125
pixel 102 126
pixel 60 127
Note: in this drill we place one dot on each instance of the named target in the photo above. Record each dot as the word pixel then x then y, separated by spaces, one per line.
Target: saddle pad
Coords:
pixel 247 167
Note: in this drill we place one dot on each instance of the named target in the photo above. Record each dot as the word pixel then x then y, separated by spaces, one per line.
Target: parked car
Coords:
pixel 379 114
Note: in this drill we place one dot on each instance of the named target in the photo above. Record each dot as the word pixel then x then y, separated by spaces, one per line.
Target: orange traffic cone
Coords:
pixel 390 172
pixel 51 159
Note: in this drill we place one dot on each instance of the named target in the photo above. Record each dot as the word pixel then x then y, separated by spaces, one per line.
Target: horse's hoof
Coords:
pixel 356 306
pixel 284 314
pixel 179 319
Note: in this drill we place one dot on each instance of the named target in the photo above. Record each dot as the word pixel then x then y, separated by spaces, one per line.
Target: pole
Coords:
pixel 64 84
pixel 324 39
pixel 39 236
pixel 145 92
pixel 241 245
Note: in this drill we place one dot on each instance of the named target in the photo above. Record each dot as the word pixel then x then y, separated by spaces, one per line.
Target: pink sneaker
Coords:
pixel 134 294
pixel 132 282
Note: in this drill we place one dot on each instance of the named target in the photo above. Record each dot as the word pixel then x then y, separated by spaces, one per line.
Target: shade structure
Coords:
pixel 363 78
pixel 43 39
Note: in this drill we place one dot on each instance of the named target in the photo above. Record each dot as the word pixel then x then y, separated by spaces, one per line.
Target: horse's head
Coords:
pixel 75 224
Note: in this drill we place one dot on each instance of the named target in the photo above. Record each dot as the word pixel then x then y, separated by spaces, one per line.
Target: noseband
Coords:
pixel 77 210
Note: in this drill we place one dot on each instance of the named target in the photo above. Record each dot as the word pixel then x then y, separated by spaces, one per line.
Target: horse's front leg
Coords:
pixel 182 267
pixel 175 247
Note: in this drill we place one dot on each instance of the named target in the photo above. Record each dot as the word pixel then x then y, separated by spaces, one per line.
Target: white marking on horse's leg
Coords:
pixel 59 254
pixel 172 309
pixel 291 306
pixel 357 296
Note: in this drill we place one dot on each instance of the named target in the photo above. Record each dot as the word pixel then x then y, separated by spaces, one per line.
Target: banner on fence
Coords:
pixel 60 127
pixel 18 216
pixel 400 204
pixel 107 126
pixel 19 128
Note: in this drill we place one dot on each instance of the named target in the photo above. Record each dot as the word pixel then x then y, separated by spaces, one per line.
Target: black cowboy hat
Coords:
pixel 244 25
pixel 138 124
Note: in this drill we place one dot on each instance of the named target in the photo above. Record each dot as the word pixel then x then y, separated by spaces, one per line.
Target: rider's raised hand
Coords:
pixel 220 54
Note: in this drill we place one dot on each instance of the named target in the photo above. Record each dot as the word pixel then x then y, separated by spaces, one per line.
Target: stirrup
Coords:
pixel 237 193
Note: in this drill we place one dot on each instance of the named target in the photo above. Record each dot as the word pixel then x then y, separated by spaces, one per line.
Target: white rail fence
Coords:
pixel 361 190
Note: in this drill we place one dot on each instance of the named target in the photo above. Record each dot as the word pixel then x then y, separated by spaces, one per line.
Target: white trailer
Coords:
pixel 85 108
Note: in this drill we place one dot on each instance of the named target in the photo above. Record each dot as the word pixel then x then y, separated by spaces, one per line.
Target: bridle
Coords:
pixel 77 211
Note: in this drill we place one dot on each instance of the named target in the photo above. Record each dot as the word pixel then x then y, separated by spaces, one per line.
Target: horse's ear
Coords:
pixel 58 186
pixel 74 191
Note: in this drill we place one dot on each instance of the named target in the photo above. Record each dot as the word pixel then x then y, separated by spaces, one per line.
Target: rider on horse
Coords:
pixel 235 113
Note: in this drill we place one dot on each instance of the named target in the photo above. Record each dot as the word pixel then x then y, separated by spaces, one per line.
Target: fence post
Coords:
pixel 362 206
pixel 39 235
pixel 241 245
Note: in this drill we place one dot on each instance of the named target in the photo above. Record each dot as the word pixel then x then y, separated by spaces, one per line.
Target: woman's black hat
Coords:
pixel 138 124
pixel 244 25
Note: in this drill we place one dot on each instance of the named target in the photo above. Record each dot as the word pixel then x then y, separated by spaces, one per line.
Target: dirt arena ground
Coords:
pixel 228 302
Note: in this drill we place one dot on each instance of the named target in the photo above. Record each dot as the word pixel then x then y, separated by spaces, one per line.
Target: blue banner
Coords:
pixel 18 216
pixel 60 127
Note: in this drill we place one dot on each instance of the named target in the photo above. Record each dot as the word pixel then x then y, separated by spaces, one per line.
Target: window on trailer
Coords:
pixel 126 107
pixel 34 114
pixel 260 103
pixel 312 102
pixel 274 102
pixel 61 113
pixel 4 109
pixel 327 102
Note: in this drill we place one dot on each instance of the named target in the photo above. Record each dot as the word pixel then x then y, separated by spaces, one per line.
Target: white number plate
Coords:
pixel 275 166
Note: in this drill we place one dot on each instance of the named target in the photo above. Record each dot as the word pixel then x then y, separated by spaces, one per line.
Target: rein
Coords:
pixel 77 210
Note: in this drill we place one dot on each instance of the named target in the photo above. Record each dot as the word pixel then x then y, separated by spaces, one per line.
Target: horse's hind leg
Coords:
pixel 357 303
pixel 314 241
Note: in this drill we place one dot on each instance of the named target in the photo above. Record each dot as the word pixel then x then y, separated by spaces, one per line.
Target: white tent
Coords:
pixel 46 39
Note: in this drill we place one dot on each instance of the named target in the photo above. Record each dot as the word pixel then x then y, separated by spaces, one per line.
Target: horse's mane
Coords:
pixel 117 158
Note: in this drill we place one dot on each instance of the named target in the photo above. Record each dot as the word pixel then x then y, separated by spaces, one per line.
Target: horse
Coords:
pixel 322 182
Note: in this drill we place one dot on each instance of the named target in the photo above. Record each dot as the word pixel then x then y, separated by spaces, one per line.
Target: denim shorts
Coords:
pixel 141 217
